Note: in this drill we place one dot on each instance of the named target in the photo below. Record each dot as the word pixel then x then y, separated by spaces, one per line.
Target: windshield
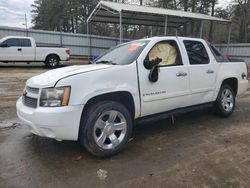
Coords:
pixel 123 54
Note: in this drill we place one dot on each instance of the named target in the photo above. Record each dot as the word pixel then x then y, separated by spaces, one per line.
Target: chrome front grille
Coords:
pixel 30 97
pixel 30 102
pixel 32 90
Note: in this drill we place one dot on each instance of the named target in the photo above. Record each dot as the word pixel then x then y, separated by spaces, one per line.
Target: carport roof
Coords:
pixel 109 12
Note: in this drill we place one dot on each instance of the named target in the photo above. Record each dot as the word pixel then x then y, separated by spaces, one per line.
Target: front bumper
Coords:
pixel 61 123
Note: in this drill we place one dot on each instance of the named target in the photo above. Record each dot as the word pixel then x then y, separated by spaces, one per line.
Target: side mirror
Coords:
pixel 150 64
pixel 147 64
pixel 3 45
pixel 154 68
pixel 154 74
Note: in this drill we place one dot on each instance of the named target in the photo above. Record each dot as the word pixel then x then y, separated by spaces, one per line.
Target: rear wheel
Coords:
pixel 105 128
pixel 52 61
pixel 225 102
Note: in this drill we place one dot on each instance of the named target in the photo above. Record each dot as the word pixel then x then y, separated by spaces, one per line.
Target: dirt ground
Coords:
pixel 199 150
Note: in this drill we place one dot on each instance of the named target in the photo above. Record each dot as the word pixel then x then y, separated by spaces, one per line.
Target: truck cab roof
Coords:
pixel 177 37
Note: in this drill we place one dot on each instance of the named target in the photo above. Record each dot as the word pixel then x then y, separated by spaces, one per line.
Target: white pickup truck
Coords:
pixel 135 82
pixel 24 49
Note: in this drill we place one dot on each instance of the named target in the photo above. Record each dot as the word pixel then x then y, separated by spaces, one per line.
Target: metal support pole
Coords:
pixel 229 37
pixel 89 42
pixel 26 25
pixel 201 29
pixel 121 27
pixel 61 40
pixel 166 25
pixel 60 28
pixel 151 31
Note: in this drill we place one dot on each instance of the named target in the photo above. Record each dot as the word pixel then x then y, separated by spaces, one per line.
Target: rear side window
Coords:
pixel 12 42
pixel 217 54
pixel 197 52
pixel 25 42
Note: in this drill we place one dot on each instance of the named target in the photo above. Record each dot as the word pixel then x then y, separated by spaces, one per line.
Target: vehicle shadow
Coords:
pixel 144 138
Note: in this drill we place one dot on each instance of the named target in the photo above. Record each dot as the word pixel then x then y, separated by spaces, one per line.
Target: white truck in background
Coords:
pixel 24 49
pixel 138 81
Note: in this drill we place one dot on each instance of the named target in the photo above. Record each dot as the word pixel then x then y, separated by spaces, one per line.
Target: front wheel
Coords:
pixel 225 102
pixel 105 128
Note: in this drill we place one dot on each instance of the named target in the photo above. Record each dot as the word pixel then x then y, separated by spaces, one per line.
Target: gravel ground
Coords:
pixel 199 150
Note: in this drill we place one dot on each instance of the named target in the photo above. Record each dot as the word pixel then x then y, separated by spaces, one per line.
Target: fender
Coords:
pixel 97 93
pixel 225 71
pixel 52 53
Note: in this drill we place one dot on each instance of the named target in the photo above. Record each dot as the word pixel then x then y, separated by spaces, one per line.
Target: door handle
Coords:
pixel 19 49
pixel 179 74
pixel 210 71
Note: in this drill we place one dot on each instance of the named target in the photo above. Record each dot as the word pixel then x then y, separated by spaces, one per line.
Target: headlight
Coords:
pixel 54 97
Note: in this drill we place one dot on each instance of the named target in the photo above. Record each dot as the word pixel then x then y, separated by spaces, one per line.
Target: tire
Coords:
pixel 52 61
pixel 225 102
pixel 105 128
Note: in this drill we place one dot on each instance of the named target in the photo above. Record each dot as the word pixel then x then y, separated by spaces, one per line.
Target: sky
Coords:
pixel 12 12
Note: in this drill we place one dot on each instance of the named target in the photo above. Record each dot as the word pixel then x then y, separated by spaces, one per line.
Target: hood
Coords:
pixel 49 78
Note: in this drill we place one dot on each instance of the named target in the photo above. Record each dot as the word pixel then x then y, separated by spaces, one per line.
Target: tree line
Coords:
pixel 71 16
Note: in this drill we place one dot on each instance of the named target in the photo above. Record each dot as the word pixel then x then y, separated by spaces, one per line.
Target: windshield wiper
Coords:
pixel 105 62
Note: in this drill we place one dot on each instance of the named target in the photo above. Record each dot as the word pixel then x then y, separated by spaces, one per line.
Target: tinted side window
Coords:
pixel 26 42
pixel 197 52
pixel 218 56
pixel 12 42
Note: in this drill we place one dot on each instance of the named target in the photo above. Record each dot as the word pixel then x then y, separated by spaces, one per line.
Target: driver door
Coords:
pixel 171 90
pixel 12 50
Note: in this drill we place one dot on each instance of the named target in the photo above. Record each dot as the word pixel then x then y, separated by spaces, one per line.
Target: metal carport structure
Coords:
pixel 119 13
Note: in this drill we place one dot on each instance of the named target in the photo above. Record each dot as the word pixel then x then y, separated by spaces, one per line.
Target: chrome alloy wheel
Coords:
pixel 110 129
pixel 53 62
pixel 227 100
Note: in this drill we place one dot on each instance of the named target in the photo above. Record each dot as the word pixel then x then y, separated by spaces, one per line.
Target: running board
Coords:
pixel 168 114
